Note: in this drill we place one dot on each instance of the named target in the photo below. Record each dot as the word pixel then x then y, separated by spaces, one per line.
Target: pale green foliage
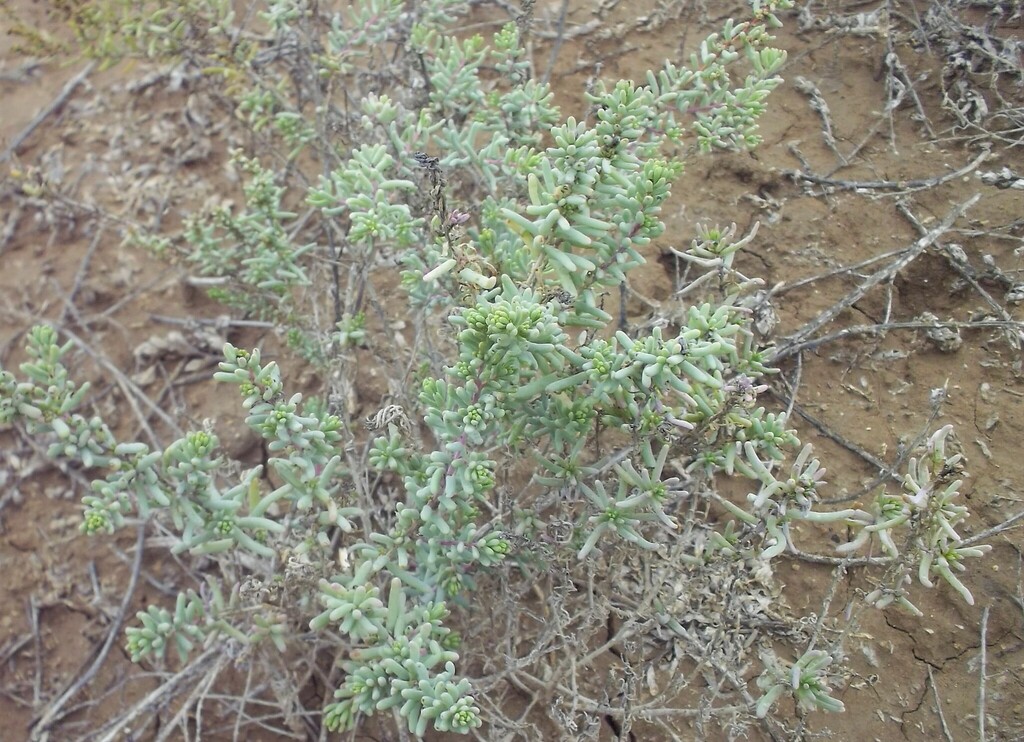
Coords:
pixel 112 29
pixel 161 629
pixel 351 330
pixel 363 189
pixel 561 212
pixel 254 248
pixel 806 680
pixel 927 510
pixel 406 644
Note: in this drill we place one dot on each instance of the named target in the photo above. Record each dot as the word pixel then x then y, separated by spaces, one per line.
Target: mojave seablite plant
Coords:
pixel 548 219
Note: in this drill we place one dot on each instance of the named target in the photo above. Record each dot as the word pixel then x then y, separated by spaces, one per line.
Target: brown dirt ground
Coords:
pixel 111 149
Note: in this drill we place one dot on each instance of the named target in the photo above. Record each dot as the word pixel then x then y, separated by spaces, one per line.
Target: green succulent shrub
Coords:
pixel 514 227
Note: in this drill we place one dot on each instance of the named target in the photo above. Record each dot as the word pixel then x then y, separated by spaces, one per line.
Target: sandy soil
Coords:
pixel 123 149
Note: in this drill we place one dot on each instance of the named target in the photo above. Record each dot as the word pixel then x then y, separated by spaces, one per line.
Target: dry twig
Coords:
pixel 45 113
pixel 895 187
pixel 963 269
pixel 54 712
pixel 938 706
pixel 981 675
pixel 820 106
pixel 797 341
